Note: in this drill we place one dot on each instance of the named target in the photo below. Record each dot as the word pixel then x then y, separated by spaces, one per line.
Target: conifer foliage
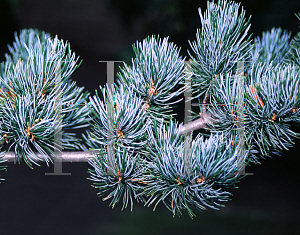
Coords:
pixel 27 80
pixel 140 153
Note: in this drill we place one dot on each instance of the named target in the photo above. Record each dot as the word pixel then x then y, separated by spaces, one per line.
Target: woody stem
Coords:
pixel 200 123
pixel 78 156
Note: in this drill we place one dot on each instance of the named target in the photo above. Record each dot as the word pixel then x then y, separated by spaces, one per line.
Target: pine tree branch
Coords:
pixel 68 156
pixel 200 123
pixel 150 160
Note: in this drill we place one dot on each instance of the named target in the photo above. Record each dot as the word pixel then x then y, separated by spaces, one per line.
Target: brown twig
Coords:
pixel 200 123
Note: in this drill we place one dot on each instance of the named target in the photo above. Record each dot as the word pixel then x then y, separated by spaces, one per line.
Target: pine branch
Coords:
pixel 273 47
pixel 171 169
pixel 220 44
pixel 66 156
pixel 139 152
pixel 200 123
pixel 155 75
pixel 27 82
